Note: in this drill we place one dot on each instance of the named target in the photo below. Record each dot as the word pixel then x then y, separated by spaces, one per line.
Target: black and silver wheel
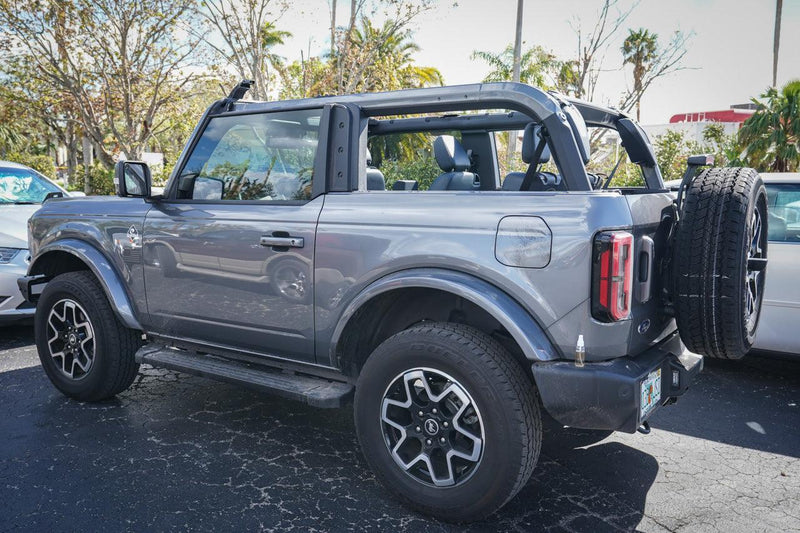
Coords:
pixel 756 263
pixel 432 427
pixel 70 338
pixel 719 262
pixel 448 420
pixel 84 349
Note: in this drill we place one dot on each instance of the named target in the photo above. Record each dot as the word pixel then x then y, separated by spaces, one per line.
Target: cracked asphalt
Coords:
pixel 177 452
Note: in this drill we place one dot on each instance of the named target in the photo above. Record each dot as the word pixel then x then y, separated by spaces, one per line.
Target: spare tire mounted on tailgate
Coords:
pixel 719 260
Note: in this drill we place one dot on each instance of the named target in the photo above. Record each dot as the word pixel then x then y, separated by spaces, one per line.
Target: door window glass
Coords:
pixel 265 156
pixel 784 211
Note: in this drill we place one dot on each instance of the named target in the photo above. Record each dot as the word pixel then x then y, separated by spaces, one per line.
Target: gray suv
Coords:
pixel 286 254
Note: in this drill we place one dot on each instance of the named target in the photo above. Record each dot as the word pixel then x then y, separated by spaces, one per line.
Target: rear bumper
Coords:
pixel 607 395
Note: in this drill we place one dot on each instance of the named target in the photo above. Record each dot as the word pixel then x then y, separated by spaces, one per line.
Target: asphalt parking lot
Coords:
pixel 176 452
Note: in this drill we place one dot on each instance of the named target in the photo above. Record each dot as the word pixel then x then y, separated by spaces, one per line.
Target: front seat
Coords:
pixel 543 181
pixel 375 179
pixel 454 161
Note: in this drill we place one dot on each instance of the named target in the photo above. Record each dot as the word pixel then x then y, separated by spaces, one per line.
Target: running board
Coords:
pixel 317 392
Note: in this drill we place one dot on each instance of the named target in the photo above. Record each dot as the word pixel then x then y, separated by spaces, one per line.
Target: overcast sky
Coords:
pixel 729 57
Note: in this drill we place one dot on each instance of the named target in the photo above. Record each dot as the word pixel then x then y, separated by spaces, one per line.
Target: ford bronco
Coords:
pixel 452 306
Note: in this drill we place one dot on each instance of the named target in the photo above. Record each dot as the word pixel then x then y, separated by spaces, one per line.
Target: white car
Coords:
pixel 779 329
pixel 22 191
pixel 779 325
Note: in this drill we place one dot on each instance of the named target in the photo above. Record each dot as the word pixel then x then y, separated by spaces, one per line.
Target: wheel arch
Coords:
pixel 71 255
pixel 413 295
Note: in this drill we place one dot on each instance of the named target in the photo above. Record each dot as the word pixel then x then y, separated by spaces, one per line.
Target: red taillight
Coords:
pixel 612 275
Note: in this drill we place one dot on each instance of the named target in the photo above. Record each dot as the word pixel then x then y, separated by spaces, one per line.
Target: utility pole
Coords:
pixel 776 43
pixel 512 135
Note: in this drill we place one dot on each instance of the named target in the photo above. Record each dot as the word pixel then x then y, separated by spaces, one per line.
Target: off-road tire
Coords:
pixel 710 262
pixel 114 367
pixel 498 385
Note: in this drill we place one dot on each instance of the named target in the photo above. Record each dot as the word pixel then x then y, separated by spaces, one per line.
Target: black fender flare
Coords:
pixel 524 329
pixel 103 270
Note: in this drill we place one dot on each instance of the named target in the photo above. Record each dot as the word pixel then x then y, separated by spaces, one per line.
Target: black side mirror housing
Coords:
pixel 132 179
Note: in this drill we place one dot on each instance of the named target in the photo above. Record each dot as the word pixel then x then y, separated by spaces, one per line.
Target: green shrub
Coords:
pixel 40 163
pixel 101 180
pixel 423 169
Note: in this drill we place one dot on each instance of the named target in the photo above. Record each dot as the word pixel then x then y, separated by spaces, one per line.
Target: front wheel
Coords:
pixel 84 349
pixel 448 421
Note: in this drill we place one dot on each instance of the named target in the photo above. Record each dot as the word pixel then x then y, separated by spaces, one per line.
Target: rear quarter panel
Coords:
pixel 363 236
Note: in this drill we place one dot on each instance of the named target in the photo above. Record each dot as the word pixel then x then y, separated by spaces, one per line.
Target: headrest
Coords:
pixel 369 158
pixel 530 140
pixel 450 155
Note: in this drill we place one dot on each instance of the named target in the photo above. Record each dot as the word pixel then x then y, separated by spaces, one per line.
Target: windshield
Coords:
pixel 23 186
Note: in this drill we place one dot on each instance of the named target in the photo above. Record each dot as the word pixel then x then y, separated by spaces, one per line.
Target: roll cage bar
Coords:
pixel 525 103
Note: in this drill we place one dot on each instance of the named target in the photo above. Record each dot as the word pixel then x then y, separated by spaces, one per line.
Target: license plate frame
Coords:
pixel 649 393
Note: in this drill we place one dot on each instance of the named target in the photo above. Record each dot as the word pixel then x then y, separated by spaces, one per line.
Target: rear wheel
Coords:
pixel 448 420
pixel 84 349
pixel 719 262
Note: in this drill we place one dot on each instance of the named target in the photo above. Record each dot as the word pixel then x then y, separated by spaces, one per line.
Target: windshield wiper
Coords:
pixel 24 203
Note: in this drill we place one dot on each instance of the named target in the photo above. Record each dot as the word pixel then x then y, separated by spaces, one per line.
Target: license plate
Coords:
pixel 651 393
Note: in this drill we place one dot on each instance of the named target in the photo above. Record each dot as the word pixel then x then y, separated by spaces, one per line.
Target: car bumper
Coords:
pixel 607 395
pixel 13 306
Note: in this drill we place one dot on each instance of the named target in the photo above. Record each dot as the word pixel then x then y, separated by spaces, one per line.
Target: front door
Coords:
pixel 229 257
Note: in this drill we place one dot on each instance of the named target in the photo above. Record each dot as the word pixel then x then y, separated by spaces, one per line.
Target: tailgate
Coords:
pixel 652 214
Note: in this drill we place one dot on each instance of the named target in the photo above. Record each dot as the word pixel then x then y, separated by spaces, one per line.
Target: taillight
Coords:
pixel 612 275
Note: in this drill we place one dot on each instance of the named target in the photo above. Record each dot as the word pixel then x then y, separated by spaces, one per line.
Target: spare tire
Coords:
pixel 719 260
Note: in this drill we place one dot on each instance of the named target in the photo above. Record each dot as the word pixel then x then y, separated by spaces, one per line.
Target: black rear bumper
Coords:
pixel 607 395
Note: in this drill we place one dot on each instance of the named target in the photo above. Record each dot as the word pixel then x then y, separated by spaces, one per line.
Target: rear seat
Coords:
pixel 543 181
pixel 454 161
pixel 375 179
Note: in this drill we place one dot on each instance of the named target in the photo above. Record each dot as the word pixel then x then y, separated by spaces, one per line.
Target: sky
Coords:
pixel 729 58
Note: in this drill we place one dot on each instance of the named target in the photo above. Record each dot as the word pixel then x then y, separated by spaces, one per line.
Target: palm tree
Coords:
pixel 271 36
pixel 639 49
pixel 538 67
pixel 390 52
pixel 771 136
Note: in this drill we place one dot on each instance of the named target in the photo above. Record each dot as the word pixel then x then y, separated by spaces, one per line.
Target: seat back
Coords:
pixel 405 185
pixel 454 162
pixel 543 181
pixel 375 179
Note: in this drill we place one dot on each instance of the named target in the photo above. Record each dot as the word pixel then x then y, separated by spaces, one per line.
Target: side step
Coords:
pixel 317 392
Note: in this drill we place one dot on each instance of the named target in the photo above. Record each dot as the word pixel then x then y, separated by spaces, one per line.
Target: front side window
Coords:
pixel 23 186
pixel 784 212
pixel 265 156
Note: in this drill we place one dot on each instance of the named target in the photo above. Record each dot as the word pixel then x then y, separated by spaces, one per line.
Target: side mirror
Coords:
pixel 208 188
pixel 54 194
pixel 132 179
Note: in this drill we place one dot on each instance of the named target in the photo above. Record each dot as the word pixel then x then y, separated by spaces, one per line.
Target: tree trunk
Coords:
pixel 88 160
pixel 512 135
pixel 72 152
pixel 776 42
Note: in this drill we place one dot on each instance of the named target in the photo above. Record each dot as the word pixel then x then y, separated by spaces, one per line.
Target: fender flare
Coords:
pixel 522 327
pixel 103 270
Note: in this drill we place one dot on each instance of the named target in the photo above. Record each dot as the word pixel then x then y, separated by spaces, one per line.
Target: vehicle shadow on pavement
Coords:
pixel 177 451
pixel 751 403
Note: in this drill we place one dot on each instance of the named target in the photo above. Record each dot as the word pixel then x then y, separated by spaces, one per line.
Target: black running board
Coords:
pixel 314 391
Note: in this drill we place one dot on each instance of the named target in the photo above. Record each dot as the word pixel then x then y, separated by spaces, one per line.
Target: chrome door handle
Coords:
pixel 281 242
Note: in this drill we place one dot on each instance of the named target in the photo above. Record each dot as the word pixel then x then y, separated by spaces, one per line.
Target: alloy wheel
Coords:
pixel 432 427
pixel 70 338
